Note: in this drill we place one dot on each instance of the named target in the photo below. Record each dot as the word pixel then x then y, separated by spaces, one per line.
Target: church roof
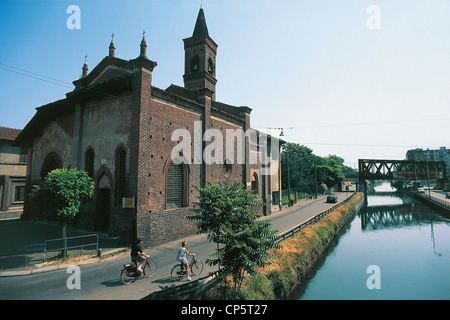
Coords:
pixel 200 26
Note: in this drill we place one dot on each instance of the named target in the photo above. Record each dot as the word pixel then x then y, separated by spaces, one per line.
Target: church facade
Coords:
pixel 145 147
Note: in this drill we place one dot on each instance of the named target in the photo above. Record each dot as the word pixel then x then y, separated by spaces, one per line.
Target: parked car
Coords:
pixel 420 190
pixel 332 198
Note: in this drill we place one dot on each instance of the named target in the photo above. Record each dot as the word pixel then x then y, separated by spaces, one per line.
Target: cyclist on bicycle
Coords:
pixel 182 257
pixel 137 254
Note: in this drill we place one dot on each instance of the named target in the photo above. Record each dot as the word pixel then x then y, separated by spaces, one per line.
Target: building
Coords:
pixel 441 154
pixel 13 167
pixel 145 147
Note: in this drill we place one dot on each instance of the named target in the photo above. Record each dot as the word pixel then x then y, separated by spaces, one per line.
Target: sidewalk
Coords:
pixel 16 234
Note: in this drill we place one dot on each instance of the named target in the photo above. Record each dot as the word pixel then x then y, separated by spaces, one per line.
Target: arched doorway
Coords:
pixel 103 203
pixel 51 162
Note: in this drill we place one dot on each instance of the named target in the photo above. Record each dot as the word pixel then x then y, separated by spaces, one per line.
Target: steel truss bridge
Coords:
pixel 369 169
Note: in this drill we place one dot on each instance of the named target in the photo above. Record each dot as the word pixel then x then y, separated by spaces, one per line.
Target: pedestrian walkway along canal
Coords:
pixel 395 248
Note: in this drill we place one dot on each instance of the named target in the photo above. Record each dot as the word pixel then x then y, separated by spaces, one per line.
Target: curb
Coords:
pixel 36 270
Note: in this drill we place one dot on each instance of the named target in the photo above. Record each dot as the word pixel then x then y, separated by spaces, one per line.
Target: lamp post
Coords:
pixel 289 180
pixel 315 169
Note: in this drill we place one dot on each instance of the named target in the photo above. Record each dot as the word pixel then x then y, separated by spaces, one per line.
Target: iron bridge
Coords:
pixel 370 169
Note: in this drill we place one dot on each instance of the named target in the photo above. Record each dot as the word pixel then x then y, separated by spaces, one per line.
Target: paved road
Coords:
pixel 102 280
pixel 438 194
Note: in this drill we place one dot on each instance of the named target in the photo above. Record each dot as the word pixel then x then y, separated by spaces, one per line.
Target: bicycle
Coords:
pixel 130 273
pixel 179 270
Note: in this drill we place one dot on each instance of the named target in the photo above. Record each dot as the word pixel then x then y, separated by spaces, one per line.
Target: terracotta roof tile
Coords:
pixel 9 133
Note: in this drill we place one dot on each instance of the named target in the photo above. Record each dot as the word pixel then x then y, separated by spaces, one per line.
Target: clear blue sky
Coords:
pixel 312 67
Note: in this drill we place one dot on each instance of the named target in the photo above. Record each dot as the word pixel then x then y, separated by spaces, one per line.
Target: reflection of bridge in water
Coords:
pixel 389 216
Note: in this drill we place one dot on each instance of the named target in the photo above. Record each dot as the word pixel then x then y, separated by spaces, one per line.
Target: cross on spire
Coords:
pixel 112 48
pixel 85 67
pixel 143 45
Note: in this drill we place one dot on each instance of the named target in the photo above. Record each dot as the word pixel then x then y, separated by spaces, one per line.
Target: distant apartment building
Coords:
pixel 441 154
pixel 13 169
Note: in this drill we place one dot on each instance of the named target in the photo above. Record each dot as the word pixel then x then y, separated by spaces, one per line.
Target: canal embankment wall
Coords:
pixel 299 254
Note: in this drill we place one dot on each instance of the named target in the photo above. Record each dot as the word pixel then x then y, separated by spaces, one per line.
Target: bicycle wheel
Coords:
pixel 125 277
pixel 177 273
pixel 197 267
pixel 150 268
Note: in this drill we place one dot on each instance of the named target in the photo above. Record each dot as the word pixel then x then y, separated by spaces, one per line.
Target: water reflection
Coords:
pixel 401 213
pixel 406 239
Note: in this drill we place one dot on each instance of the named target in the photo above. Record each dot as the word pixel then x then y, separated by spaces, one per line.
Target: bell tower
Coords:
pixel 200 59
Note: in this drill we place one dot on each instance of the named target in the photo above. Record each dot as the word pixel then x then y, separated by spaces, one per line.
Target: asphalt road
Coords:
pixel 101 281
pixel 438 194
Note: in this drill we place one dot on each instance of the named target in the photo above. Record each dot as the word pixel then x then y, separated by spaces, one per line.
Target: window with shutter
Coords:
pixel 174 186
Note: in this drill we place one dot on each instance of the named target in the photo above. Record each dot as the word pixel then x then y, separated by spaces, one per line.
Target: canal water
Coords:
pixel 395 248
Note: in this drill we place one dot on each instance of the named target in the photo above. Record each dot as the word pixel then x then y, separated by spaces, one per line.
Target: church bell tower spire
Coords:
pixel 200 59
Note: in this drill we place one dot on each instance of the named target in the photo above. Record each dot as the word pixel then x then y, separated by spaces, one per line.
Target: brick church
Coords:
pixel 120 129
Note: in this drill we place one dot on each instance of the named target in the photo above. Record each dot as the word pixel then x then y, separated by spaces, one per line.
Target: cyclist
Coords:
pixel 182 257
pixel 138 255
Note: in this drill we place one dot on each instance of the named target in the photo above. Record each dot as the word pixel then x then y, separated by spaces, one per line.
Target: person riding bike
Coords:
pixel 182 252
pixel 138 255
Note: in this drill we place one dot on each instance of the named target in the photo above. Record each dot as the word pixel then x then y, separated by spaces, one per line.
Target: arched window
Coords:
pixel 120 174
pixel 89 162
pixel 255 182
pixel 210 66
pixel 52 161
pixel 195 64
pixel 176 185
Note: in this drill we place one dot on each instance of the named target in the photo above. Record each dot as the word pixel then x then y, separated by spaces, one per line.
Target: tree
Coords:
pixel 331 168
pixel 306 170
pixel 301 167
pixel 62 192
pixel 225 214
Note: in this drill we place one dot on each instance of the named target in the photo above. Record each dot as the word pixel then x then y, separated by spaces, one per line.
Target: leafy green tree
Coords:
pixel 332 169
pixel 224 212
pixel 307 170
pixel 301 167
pixel 62 192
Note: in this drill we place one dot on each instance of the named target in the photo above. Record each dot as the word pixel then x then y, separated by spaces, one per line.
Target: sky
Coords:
pixel 359 79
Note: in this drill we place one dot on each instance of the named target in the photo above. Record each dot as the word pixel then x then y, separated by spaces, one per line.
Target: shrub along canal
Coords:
pixel 395 248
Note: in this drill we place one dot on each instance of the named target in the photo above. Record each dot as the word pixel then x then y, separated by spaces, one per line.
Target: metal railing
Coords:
pixel 293 230
pixel 436 200
pixel 61 245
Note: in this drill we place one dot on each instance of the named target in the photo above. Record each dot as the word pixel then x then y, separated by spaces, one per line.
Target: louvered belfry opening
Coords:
pixel 175 185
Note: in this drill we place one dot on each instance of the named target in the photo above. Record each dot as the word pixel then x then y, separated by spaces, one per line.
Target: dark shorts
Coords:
pixel 137 259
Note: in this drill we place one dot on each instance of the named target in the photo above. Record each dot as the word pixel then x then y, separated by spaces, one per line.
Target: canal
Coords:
pixel 395 248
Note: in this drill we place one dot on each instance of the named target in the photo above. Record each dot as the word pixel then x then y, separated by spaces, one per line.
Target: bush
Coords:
pixel 280 284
